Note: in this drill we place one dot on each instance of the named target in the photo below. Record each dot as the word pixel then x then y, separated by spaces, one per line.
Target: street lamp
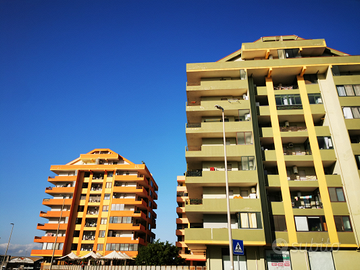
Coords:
pixel 57 232
pixel 5 258
pixel 227 190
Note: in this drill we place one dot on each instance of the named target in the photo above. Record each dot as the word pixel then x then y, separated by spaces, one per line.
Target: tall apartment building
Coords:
pixel 292 122
pixel 100 202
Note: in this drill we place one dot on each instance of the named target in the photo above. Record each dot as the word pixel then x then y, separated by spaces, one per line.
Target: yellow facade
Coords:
pixel 101 202
pixel 292 127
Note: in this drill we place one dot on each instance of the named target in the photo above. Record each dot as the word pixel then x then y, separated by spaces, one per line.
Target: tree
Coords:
pixel 159 253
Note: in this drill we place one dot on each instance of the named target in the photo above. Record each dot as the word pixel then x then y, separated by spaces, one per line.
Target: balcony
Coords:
pixel 270 155
pixel 46 252
pixel 217 178
pixel 59 190
pixel 92 211
pixel 298 182
pixel 258 49
pixel 352 124
pixel 295 131
pixel 306 202
pixel 133 190
pixel 49 239
pixel 94 199
pixel 50 214
pixel 231 127
pixel 63 178
pixel 60 202
pixel 223 87
pixel 93 157
pixel 219 205
pixel 312 237
pixel 213 235
pixel 51 226
pixel 214 152
pixel 126 227
pixel 231 106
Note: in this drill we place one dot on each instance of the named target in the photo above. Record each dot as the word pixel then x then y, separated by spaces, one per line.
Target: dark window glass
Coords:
pixel 279 223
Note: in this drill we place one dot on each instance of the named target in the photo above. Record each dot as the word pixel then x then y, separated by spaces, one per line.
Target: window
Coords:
pixel 110 174
pixel 107 197
pixel 103 221
pixel 122 247
pixel 248 163
pixel 348 90
pixel 105 208
pixel 279 223
pixel 120 220
pixel 249 220
pixel 108 185
pixel 342 224
pixel 100 247
pixel 101 234
pixel 284 101
pixel 310 223
pixel 336 194
pixel 117 207
pixel 351 112
pixel 315 99
pixel 244 138
pixel 325 143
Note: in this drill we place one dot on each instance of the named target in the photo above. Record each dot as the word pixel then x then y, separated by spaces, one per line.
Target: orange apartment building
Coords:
pixel 100 202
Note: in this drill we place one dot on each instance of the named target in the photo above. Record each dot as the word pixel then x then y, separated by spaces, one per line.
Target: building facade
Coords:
pixel 100 202
pixel 292 125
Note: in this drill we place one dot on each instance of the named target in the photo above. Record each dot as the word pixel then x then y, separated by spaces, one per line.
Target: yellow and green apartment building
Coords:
pixel 292 122
pixel 99 202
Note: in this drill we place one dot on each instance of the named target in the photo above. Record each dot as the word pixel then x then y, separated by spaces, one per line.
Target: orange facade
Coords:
pixel 99 202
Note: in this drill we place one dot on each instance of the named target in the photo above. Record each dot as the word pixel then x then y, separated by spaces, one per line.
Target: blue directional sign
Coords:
pixel 238 247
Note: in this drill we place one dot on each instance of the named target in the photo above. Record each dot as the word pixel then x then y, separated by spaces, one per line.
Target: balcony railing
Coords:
pixel 309 201
pixel 289 107
pixel 194 173
pixel 194 201
pixel 196 125
pixel 292 129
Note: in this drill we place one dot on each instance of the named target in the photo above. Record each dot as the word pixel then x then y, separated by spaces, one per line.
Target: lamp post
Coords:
pixel 57 232
pixel 227 190
pixel 5 258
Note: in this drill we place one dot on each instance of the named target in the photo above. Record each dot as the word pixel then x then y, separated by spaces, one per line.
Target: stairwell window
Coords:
pixel 248 163
pixel 336 194
pixel 348 90
pixel 342 224
pixel 325 142
pixel 244 138
pixel 315 98
pixel 351 112
pixel 279 223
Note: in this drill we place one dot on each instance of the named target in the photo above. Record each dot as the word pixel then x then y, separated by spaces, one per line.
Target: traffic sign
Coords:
pixel 238 247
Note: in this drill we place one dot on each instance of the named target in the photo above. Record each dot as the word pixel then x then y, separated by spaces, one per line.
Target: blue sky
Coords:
pixel 78 75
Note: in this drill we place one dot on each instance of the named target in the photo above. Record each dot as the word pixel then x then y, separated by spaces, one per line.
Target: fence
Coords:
pixel 123 267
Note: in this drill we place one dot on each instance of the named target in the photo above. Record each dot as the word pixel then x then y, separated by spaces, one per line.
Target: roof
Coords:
pixel 281 39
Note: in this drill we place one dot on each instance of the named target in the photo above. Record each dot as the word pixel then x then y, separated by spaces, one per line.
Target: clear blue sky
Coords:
pixel 78 75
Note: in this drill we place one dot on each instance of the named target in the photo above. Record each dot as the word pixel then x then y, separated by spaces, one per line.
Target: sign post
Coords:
pixel 238 249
